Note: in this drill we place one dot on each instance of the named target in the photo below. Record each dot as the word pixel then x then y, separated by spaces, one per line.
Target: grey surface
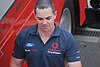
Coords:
pixel 4 6
pixel 89 50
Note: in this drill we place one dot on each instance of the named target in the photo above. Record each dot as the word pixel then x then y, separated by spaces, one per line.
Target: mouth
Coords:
pixel 45 27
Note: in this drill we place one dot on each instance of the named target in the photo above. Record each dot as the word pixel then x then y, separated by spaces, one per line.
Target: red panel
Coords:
pixel 18 17
pixel 58 5
pixel 82 5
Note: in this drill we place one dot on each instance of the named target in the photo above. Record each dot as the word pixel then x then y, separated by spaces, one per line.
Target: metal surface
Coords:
pixel 66 22
pixel 89 50
pixel 4 7
pixel 88 32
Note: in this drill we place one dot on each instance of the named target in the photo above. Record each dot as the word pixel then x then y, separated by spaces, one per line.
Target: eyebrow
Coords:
pixel 45 18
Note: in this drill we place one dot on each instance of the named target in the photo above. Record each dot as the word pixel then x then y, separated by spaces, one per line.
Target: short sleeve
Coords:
pixel 18 51
pixel 72 51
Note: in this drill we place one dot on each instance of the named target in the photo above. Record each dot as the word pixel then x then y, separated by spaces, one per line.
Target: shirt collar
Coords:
pixel 57 31
pixel 33 30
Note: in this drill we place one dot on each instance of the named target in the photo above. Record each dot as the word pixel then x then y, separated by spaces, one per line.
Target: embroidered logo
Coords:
pixel 55 45
pixel 29 44
pixel 54 49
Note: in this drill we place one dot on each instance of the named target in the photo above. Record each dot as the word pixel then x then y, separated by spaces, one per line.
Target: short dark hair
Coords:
pixel 43 4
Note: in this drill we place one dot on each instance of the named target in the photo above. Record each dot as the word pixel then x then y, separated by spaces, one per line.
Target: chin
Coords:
pixel 45 30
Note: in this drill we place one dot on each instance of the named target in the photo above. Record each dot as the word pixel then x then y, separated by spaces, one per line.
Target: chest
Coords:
pixel 34 47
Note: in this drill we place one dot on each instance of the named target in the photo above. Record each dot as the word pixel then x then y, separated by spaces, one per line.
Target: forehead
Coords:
pixel 44 12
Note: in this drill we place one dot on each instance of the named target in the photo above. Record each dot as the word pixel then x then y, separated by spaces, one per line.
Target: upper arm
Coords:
pixel 72 51
pixel 75 64
pixel 15 62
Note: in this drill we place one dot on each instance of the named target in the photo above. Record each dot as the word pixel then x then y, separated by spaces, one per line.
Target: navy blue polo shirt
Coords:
pixel 60 47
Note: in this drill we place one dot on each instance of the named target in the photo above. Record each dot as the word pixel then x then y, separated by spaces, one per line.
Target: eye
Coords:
pixel 39 18
pixel 48 18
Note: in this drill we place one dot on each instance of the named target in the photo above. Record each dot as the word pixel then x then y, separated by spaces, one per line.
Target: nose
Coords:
pixel 44 21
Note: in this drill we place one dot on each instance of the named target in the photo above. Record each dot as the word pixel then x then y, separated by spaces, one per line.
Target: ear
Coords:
pixel 35 16
pixel 55 14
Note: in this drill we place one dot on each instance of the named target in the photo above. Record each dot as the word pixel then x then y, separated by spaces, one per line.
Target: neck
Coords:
pixel 46 33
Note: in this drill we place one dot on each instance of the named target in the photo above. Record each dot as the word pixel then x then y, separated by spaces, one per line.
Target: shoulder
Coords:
pixel 66 34
pixel 26 31
pixel 67 37
pixel 24 34
pixel 62 32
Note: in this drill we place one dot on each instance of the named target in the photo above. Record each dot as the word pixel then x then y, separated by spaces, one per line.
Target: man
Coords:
pixel 45 44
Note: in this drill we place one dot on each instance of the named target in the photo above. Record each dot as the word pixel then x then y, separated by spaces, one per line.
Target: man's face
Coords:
pixel 45 19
